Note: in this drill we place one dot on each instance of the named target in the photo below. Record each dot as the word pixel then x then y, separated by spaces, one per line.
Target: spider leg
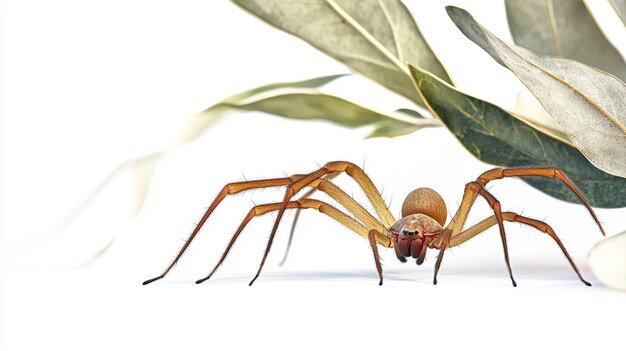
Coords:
pixel 297 216
pixel 495 206
pixel 338 166
pixel 545 172
pixel 372 239
pixel 456 225
pixel 445 243
pixel 228 189
pixel 322 207
pixel 514 217
pixel 325 186
pixel 349 203
pixel 472 192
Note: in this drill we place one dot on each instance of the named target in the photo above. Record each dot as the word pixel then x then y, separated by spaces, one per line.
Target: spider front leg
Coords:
pixel 325 185
pixel 372 235
pixel 294 184
pixel 331 167
pixel 472 190
pixel 445 242
pixel 497 209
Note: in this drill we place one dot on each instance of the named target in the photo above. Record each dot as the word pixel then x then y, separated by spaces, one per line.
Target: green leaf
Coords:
pixel 494 136
pixel 607 259
pixel 589 104
pixel 391 129
pixel 375 38
pixel 310 104
pixel 410 112
pixel 563 28
pixel 620 8
pixel 197 124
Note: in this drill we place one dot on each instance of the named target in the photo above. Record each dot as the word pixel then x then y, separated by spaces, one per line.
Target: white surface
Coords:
pixel 86 85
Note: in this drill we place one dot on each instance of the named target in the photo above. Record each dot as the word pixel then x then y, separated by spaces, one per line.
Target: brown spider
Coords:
pixel 423 214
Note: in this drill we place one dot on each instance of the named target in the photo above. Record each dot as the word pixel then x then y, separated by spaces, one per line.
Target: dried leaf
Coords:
pixel 374 38
pixel 589 104
pixel 563 28
pixel 607 259
pixel 495 136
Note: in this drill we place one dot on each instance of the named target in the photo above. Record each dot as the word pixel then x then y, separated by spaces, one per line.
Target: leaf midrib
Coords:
pixel 554 28
pixel 367 35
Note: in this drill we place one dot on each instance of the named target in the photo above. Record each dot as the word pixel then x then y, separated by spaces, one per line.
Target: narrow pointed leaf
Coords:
pixel 410 112
pixel 588 103
pixel 374 38
pixel 310 104
pixel 392 129
pixel 197 124
pixel 563 28
pixel 495 136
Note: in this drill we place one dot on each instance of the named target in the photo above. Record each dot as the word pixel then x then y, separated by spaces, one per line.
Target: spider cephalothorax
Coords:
pixel 413 234
pixel 423 215
pixel 422 226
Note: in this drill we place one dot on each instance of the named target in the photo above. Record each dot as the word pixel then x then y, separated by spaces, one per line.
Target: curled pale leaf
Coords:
pixel 607 259
pixel 563 28
pixel 495 136
pixel 589 104
pixel 374 38
pixel 143 166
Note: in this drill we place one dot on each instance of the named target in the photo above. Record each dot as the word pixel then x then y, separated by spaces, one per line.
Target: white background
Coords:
pixel 88 84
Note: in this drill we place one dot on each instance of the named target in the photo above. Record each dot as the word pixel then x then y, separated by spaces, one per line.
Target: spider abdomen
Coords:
pixel 426 201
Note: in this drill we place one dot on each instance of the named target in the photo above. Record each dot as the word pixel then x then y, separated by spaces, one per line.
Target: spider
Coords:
pixel 420 228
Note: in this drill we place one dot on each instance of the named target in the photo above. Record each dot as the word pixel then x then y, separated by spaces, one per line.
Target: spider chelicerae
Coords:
pixel 422 226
